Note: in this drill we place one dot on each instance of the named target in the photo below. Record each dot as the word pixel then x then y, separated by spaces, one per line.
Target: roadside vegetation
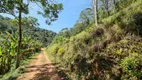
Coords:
pixel 110 51
pixel 20 37
pixel 31 43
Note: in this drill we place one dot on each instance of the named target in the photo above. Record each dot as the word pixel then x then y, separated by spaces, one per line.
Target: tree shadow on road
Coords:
pixel 46 72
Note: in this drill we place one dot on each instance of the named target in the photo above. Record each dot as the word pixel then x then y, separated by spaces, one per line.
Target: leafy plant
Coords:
pixel 131 65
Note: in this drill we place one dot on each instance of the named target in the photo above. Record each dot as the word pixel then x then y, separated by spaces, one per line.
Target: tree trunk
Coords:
pixel 107 7
pixel 20 37
pixel 95 11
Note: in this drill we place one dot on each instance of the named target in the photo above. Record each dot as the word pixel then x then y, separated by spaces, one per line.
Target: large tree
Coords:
pixel 49 10
pixel 86 16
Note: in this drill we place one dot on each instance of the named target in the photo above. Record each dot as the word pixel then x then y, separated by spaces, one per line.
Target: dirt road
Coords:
pixel 40 68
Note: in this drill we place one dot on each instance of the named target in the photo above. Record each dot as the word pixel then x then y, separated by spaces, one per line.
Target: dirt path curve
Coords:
pixel 40 68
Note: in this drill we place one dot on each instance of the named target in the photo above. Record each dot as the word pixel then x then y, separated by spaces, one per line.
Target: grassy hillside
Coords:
pixel 110 51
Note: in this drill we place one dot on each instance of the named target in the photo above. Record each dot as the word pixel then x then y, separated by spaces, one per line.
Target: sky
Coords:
pixel 68 16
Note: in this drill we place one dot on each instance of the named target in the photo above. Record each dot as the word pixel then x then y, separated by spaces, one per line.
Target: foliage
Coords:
pixel 8 49
pixel 108 8
pixel 59 39
pixel 49 10
pixel 60 51
pixel 85 19
pixel 131 65
pixel 31 42
pixel 127 21
pixel 29 28
pixel 86 16
pixel 65 32
pixel 110 51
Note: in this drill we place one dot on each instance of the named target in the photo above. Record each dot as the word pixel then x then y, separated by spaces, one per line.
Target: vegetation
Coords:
pixel 50 10
pixel 104 44
pixel 109 51
pixel 85 19
pixel 31 42
pixel 30 28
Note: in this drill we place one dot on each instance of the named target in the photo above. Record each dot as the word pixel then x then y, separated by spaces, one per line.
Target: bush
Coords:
pixel 132 66
pixel 61 51
pixel 98 32
pixel 59 39
pixel 136 23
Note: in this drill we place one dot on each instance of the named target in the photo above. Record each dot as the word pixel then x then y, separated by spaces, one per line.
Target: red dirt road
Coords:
pixel 40 68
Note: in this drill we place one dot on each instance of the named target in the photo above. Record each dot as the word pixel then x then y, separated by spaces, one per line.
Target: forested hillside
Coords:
pixel 110 51
pixel 29 29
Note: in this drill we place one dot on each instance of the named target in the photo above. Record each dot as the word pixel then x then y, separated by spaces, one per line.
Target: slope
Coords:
pixel 110 51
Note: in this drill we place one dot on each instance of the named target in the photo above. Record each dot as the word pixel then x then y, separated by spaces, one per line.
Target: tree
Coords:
pixel 50 10
pixel 95 2
pixel 65 32
pixel 106 6
pixel 86 16
pixel 30 21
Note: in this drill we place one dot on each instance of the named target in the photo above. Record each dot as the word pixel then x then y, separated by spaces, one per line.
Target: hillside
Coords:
pixel 29 28
pixel 110 51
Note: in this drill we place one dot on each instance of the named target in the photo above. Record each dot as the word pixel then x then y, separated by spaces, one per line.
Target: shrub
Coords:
pixel 98 32
pixel 136 23
pixel 59 39
pixel 55 49
pixel 132 65
pixel 61 51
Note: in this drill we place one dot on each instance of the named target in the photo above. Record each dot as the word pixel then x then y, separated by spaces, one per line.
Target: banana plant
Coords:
pixel 8 49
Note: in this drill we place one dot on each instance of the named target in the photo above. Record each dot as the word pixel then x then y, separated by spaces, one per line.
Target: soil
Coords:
pixel 40 68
